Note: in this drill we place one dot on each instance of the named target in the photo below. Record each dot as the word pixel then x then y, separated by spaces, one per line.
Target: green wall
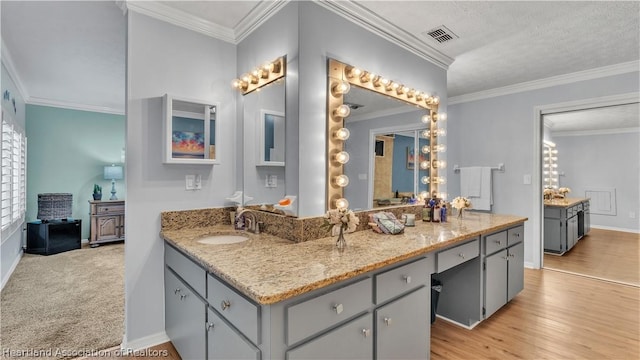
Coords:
pixel 66 153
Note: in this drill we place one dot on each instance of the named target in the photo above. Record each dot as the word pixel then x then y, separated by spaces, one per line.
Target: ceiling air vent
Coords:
pixel 441 34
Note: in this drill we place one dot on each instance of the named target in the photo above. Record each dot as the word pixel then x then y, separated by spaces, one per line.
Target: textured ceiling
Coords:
pixel 74 52
pixel 596 119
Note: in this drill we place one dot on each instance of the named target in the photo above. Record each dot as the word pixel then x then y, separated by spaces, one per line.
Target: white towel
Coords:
pixel 485 200
pixel 470 181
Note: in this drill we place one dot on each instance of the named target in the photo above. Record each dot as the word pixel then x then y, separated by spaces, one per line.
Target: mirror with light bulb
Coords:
pixel 394 142
pixel 264 122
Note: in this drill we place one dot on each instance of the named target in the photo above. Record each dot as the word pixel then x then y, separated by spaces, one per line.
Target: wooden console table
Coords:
pixel 107 221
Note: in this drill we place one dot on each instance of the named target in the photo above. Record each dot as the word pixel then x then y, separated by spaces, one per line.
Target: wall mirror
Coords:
pixel 264 122
pixel 190 131
pixel 376 122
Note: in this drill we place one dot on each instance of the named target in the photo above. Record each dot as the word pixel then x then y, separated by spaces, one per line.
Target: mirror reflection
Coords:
pixel 388 154
pixel 264 144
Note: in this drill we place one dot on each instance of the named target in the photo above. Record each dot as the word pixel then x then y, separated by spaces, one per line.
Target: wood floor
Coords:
pixel 557 316
pixel 604 254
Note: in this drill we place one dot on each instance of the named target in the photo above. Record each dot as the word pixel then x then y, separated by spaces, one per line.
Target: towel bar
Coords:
pixel 500 168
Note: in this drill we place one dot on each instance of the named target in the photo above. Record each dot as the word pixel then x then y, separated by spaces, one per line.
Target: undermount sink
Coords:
pixel 222 239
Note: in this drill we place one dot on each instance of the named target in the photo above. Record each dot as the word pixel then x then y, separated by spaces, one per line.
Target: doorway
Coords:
pixel 583 124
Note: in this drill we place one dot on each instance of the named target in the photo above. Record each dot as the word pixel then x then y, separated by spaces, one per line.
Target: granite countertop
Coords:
pixel 269 269
pixel 566 202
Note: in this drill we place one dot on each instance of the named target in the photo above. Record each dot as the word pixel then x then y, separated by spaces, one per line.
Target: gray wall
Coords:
pixel 500 130
pixel 163 58
pixel 605 161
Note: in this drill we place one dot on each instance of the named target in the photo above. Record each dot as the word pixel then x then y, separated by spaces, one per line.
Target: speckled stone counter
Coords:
pixel 567 202
pixel 269 269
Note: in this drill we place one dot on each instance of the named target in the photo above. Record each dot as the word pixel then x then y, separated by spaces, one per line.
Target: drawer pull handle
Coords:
pixel 461 255
pixel 516 234
pixel 210 326
pixel 338 308
pixel 498 242
pixel 183 296
pixel 225 304
pixel 176 291
pixel 366 332
pixel 387 321
pixel 407 279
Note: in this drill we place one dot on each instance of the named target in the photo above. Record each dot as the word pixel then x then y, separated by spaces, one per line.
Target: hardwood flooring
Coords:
pixel 557 316
pixel 603 254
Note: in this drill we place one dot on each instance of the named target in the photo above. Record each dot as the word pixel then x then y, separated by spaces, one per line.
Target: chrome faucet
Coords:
pixel 251 224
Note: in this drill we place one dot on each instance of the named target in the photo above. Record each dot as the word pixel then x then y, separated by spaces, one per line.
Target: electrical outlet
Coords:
pixel 527 179
pixel 190 182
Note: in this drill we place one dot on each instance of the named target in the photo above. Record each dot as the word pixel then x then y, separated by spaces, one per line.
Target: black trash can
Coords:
pixel 436 288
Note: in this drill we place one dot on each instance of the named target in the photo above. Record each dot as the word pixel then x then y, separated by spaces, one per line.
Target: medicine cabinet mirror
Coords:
pixel 190 130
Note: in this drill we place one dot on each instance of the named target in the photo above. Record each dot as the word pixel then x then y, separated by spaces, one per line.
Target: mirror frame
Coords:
pixel 339 73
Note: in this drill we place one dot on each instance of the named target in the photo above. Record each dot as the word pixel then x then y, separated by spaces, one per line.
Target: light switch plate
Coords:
pixel 190 182
pixel 527 179
pixel 197 184
pixel 271 181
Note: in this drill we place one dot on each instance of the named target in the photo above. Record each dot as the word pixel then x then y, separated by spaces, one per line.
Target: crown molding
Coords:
pixel 180 18
pixel 596 132
pixel 622 68
pixel 13 73
pixel 73 106
pixel 363 17
pixel 256 17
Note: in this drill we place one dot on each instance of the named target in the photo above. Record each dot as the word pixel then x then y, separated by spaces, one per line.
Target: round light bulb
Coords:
pixel 441 148
pixel 342 111
pixel 443 195
pixel 342 203
pixel 424 164
pixel 425 133
pixel 342 134
pixel 442 132
pixel 424 195
pixel 442 117
pixel 341 88
pixel 425 119
pixel 442 180
pixel 342 157
pixel 426 149
pixel 425 179
pixel 342 180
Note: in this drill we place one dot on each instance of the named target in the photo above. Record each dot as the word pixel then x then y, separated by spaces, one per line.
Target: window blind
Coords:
pixel 13 174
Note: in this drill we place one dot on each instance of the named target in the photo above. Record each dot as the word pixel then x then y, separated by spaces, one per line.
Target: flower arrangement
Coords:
pixel 343 219
pixel 563 191
pixel 460 202
pixel 547 193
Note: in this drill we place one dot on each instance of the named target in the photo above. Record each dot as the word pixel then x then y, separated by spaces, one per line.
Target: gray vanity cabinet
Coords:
pixel 402 334
pixel 184 317
pixel 503 268
pixel 353 340
pixel 224 343
pixel 565 225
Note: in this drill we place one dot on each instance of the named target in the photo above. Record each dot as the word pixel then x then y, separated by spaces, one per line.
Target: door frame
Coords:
pixel 538 123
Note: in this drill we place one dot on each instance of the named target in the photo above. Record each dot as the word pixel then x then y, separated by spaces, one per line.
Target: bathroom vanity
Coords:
pixel 270 298
pixel 565 222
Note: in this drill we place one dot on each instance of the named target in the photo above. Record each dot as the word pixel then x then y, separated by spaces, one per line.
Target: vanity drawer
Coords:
pixel 407 277
pixel 495 242
pixel 104 209
pixel 318 313
pixel 192 274
pixel 515 235
pixel 239 311
pixel 457 255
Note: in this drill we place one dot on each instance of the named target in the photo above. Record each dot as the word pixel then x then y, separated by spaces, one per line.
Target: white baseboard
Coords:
pixel 11 269
pixel 145 342
pixel 530 265
pixel 634 231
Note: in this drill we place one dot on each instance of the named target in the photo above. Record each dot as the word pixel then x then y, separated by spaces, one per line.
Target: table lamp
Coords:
pixel 113 173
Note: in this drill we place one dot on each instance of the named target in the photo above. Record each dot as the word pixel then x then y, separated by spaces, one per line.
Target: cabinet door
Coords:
pixel 553 235
pixel 495 282
pixel 225 343
pixel 516 270
pixel 108 227
pixel 184 318
pixel 403 327
pixel 353 340
pixel 572 232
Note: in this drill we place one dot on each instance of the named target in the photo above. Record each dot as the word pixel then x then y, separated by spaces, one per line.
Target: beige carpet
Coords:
pixel 64 303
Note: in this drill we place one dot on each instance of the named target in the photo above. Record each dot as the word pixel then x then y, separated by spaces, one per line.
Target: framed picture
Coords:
pixel 411 157
pixel 187 145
